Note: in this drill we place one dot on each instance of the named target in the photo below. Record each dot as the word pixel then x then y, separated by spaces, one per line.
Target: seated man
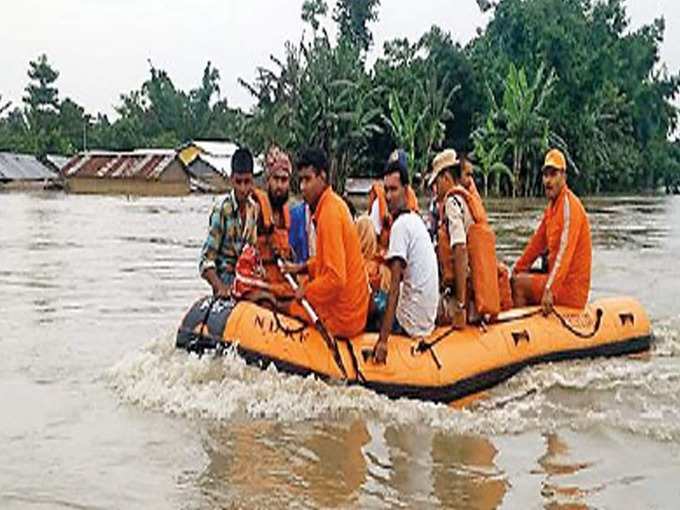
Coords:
pixel 274 222
pixel 273 227
pixel 338 288
pixel 232 225
pixel 378 209
pixel 414 287
pixel 463 230
pixel 467 180
pixel 564 232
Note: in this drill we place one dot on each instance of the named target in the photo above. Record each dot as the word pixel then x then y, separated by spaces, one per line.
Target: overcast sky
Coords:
pixel 101 47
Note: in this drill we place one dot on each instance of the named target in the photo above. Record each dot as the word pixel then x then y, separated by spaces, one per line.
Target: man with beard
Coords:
pixel 232 226
pixel 274 220
pixel 564 233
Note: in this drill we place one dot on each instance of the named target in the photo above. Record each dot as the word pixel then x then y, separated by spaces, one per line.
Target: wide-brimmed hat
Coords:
pixel 445 159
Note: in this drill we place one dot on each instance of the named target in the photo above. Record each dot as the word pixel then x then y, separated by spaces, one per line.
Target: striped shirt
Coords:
pixel 228 234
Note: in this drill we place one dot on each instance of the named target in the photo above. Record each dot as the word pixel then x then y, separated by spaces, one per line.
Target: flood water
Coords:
pixel 97 410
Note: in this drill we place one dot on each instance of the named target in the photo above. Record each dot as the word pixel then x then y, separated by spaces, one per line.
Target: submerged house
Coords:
pixel 209 162
pixel 20 171
pixel 141 172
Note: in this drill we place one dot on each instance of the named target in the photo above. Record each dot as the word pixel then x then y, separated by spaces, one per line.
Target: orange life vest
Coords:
pixel 377 192
pixel 481 247
pixel 272 240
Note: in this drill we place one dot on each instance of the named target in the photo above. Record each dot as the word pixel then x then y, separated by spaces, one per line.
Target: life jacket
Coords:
pixel 377 192
pixel 481 248
pixel 272 239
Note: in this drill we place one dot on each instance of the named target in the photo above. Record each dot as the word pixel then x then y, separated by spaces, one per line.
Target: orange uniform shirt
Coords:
pixel 338 289
pixel 565 233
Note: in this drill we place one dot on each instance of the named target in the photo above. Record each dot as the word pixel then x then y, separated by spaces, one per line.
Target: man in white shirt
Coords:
pixel 414 288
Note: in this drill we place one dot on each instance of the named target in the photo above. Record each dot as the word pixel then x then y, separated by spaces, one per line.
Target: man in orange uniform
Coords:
pixel 378 209
pixel 338 289
pixel 564 233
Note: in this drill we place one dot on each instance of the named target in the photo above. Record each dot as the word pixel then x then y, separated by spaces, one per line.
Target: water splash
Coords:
pixel 638 395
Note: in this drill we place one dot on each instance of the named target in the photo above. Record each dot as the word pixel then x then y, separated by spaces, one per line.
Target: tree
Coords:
pixel 520 119
pixel 42 106
pixel 490 150
pixel 4 107
pixel 610 88
pixel 72 124
pixel 353 17
pixel 312 10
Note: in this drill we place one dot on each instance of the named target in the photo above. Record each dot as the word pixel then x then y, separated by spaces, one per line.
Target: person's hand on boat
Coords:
pixel 380 352
pixel 547 302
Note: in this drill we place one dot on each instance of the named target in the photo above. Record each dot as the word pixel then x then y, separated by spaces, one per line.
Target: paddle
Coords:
pixel 325 334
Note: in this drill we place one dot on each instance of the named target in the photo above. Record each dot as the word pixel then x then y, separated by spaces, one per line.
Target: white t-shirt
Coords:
pixel 419 291
pixel 458 218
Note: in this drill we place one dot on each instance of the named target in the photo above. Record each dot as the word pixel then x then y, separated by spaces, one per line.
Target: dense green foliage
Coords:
pixel 565 73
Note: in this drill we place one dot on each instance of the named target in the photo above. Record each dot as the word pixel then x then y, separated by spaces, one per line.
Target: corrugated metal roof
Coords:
pixel 117 165
pixel 16 167
pixel 59 162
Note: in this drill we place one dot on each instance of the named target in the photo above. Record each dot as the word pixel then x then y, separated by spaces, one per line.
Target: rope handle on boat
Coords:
pixel 423 346
pixel 286 330
pixel 598 321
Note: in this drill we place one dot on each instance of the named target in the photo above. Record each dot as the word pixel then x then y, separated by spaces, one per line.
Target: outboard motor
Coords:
pixel 203 324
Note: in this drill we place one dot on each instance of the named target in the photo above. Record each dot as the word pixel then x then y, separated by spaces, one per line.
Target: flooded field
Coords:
pixel 100 411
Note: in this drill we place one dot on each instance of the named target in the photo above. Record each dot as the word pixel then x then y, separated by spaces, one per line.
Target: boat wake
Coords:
pixel 639 395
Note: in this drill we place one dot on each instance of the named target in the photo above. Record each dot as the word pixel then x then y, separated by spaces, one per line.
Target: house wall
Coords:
pixel 175 173
pixel 203 171
pixel 94 185
pixel 174 181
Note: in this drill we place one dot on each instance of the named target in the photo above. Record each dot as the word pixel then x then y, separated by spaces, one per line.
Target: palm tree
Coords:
pixel 490 151
pixel 420 127
pixel 520 118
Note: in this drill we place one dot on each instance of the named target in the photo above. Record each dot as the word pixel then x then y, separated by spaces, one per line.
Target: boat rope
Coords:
pixel 598 321
pixel 353 358
pixel 423 346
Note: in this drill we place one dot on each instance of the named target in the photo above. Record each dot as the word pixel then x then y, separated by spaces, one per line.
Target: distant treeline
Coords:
pixel 565 73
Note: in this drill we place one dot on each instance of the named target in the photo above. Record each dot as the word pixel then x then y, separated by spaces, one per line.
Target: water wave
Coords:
pixel 638 395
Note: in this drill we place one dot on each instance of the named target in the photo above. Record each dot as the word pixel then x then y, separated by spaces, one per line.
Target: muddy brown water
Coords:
pixel 97 410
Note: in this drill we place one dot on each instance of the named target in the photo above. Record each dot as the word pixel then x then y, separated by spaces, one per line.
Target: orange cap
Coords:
pixel 555 159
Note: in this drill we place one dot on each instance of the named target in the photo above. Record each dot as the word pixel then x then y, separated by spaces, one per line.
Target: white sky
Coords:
pixel 101 47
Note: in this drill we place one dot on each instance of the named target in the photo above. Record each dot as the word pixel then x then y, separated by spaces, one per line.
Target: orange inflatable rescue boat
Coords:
pixel 447 366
